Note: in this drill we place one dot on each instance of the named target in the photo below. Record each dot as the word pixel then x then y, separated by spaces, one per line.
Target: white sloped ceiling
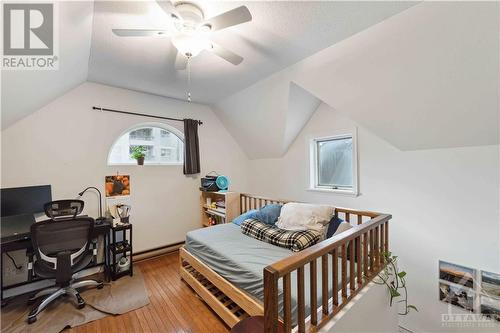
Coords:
pixel 256 116
pixel 301 106
pixel 280 34
pixel 24 92
pixel 425 78
pixel 265 118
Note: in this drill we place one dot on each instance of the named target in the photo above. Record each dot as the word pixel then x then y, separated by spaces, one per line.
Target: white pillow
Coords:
pixel 344 226
pixel 301 216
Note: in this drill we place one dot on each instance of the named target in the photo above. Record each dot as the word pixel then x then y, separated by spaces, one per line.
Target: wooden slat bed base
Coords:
pixel 229 302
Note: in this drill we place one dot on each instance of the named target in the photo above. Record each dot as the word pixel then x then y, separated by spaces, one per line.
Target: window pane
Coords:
pixel 335 163
pixel 162 146
pixel 142 134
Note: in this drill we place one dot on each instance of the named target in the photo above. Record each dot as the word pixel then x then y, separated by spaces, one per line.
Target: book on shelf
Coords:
pixel 216 212
pixel 215 219
pixel 220 210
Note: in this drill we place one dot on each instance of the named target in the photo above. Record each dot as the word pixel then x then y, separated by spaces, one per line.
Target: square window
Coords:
pixel 334 163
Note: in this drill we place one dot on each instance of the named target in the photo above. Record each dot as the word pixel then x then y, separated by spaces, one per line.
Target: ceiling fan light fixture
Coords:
pixel 190 44
pixel 205 28
pixel 190 30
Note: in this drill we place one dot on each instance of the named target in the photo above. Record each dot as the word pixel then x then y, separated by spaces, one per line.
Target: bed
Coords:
pixel 239 276
pixel 241 260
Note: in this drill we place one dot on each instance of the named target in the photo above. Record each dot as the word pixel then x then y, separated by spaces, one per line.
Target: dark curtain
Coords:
pixel 191 147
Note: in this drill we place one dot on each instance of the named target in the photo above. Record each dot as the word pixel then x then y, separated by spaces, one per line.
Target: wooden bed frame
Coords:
pixel 365 242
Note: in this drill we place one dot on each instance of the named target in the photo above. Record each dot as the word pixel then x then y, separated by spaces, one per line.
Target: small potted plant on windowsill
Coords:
pixel 138 153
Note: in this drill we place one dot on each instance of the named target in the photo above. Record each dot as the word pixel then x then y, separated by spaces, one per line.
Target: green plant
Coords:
pixel 138 152
pixel 395 280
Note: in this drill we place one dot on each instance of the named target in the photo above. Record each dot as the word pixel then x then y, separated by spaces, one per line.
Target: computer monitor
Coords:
pixel 24 200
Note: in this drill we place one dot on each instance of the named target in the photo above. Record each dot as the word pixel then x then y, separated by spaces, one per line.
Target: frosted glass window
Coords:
pixel 335 163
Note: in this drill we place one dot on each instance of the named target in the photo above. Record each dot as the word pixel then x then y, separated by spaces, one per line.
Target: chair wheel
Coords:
pixel 81 302
pixel 31 320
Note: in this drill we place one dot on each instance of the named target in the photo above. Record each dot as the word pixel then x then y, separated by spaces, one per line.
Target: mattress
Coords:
pixel 241 260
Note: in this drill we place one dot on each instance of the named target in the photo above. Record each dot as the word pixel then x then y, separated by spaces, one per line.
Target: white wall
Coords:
pixel 371 304
pixel 66 144
pixel 444 204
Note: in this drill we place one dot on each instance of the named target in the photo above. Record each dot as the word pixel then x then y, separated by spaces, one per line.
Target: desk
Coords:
pixel 18 237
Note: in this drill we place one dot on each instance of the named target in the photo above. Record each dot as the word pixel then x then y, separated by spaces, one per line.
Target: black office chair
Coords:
pixel 62 249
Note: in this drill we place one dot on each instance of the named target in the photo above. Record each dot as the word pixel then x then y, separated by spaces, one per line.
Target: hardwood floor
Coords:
pixel 174 305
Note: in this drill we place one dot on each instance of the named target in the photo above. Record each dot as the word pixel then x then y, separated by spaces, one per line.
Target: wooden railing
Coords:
pixel 249 202
pixel 360 250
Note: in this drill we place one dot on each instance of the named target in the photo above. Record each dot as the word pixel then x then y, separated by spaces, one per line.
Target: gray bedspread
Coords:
pixel 241 259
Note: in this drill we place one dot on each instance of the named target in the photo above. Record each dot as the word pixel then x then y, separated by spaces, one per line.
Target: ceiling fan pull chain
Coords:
pixel 189 78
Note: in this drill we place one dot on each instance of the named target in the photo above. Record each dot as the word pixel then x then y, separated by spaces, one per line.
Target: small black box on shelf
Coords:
pixel 208 184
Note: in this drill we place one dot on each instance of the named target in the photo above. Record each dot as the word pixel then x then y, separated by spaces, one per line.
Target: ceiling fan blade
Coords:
pixel 180 61
pixel 233 17
pixel 169 8
pixel 226 54
pixel 140 32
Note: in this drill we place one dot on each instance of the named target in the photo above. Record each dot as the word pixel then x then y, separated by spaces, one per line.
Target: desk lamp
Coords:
pixel 100 219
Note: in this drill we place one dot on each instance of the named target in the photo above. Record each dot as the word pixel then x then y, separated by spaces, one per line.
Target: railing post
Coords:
pixel 242 204
pixel 313 282
pixel 270 300
pixel 386 230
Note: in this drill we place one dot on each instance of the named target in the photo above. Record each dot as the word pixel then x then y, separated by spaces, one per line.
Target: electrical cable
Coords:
pixel 13 261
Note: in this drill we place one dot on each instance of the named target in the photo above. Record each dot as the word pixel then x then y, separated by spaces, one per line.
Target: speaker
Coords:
pixel 208 184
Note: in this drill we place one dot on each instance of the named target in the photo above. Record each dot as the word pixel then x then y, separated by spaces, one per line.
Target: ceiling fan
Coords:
pixel 190 30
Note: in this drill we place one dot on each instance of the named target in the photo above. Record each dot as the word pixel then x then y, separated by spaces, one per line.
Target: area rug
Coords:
pixel 118 297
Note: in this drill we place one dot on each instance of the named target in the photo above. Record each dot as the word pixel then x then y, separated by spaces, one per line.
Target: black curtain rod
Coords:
pixel 140 114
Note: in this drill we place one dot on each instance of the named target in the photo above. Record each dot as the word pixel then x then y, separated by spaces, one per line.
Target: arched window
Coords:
pixel 164 145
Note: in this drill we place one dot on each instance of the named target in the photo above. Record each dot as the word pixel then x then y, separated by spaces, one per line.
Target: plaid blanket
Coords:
pixel 294 240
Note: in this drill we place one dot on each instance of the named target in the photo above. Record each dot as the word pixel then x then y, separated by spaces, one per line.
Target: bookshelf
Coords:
pixel 226 209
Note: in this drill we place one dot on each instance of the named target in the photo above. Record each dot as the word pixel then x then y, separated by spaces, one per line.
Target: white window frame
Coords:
pixel 313 162
pixel 166 127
